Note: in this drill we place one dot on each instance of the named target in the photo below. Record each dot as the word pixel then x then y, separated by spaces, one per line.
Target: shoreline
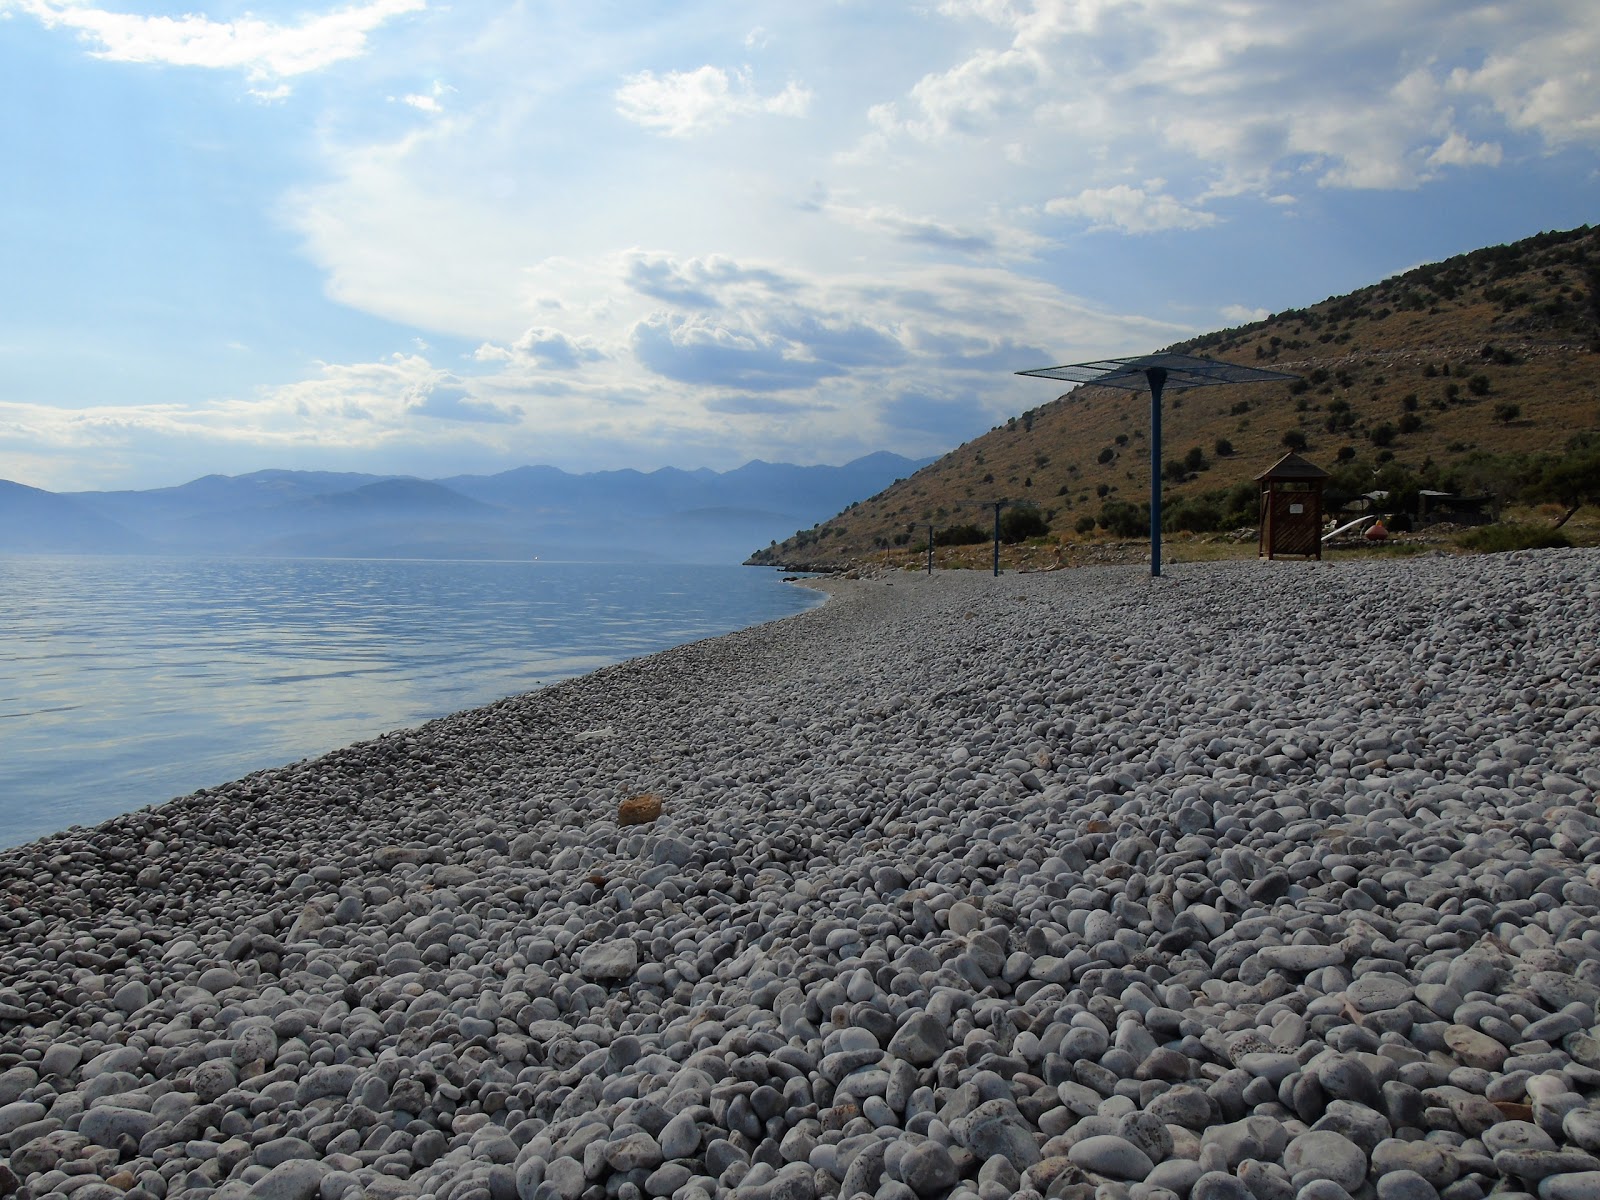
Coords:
pixel 128 686
pixel 1046 882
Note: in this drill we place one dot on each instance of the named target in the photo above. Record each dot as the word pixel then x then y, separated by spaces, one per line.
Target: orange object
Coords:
pixel 1376 532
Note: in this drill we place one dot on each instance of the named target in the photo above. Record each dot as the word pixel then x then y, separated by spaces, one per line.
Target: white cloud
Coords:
pixel 772 291
pixel 1239 314
pixel 802 366
pixel 1459 151
pixel 1541 74
pixel 1250 96
pixel 685 103
pixel 262 49
pixel 1130 209
pixel 430 101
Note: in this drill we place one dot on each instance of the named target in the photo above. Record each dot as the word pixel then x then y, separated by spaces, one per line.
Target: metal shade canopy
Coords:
pixel 1158 372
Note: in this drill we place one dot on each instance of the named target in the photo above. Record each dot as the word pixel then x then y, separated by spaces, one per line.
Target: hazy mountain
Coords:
pixel 665 515
pixel 34 521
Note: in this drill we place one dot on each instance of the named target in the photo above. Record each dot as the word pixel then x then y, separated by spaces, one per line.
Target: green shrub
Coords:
pixel 1085 524
pixel 1496 539
pixel 1192 516
pixel 1020 524
pixel 1125 519
pixel 960 535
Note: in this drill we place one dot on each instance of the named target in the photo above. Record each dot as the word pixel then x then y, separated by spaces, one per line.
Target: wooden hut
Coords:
pixel 1291 508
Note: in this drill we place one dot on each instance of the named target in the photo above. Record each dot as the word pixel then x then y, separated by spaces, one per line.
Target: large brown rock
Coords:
pixel 639 810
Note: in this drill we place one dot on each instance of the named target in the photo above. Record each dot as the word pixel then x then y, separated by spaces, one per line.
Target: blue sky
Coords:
pixel 411 236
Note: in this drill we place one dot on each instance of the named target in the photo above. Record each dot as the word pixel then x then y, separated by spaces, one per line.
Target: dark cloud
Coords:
pixel 554 349
pixel 699 352
pixel 944 419
pixel 660 279
pixel 760 406
pixel 942 237
pixel 846 343
pixel 693 284
pixel 962 352
pixel 450 400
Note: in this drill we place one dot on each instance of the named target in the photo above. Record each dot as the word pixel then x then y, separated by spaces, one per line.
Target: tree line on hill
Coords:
pixel 1570 480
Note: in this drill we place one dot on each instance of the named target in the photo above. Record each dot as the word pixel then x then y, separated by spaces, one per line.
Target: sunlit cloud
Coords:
pixel 1130 210
pixel 262 49
pixel 684 103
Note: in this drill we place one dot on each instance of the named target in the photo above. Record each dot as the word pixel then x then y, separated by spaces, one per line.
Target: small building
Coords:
pixel 1434 507
pixel 1291 508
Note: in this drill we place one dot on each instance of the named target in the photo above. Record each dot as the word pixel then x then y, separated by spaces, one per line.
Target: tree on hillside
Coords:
pixel 1573 481
pixel 1020 524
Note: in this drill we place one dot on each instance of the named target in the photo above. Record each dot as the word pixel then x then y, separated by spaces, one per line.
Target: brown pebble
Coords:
pixel 639 810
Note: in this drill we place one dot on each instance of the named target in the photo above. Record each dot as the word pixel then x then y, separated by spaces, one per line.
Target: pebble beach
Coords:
pixel 1258 881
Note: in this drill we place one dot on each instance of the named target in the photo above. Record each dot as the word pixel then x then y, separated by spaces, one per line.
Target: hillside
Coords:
pixel 1444 374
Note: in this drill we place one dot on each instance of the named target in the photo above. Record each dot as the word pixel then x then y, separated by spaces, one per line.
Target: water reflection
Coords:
pixel 124 682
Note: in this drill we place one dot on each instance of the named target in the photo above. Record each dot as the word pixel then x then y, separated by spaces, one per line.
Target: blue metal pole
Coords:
pixel 997 541
pixel 1158 378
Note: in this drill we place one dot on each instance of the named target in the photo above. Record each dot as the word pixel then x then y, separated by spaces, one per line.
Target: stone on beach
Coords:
pixel 639 810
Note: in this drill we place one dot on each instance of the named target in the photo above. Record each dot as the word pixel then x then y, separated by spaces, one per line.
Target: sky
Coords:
pixel 424 237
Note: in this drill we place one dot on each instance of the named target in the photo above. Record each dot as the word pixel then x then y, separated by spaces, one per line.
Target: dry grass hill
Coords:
pixel 1451 374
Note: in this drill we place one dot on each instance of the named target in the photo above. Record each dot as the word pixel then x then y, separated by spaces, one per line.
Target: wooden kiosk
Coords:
pixel 1291 508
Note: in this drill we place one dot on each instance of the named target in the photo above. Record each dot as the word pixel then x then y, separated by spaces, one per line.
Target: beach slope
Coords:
pixel 1255 880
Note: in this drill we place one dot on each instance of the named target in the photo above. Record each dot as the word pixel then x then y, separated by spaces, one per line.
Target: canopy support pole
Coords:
pixel 1158 378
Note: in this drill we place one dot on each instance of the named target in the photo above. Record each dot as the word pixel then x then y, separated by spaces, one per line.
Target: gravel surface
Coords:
pixel 1260 880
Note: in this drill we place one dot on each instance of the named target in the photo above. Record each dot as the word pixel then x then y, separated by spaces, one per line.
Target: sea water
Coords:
pixel 125 681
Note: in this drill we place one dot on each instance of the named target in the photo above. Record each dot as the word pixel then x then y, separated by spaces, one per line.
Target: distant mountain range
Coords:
pixel 530 512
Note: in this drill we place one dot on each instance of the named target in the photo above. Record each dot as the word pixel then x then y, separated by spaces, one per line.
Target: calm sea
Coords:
pixel 127 681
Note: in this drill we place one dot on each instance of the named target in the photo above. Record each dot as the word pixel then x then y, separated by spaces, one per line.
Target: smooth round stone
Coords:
pixel 1110 1155
pixel 1345 1078
pixel 920 1040
pixel 1149 1133
pixel 1581 1185
pixel 1541 1164
pixel 1405 1185
pixel 1582 1125
pixel 1175 1175
pixel 1475 1049
pixel 927 1168
pixel 680 1137
pixel 1441 999
pixel 1322 1189
pixel 1326 1155
pixel 1378 991
pixel 634 1151
pixel 1184 1105
pixel 1516 1135
pixel 1265 1064
pixel 1219 1185
pixel 1422 1158
pixel 1303 959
